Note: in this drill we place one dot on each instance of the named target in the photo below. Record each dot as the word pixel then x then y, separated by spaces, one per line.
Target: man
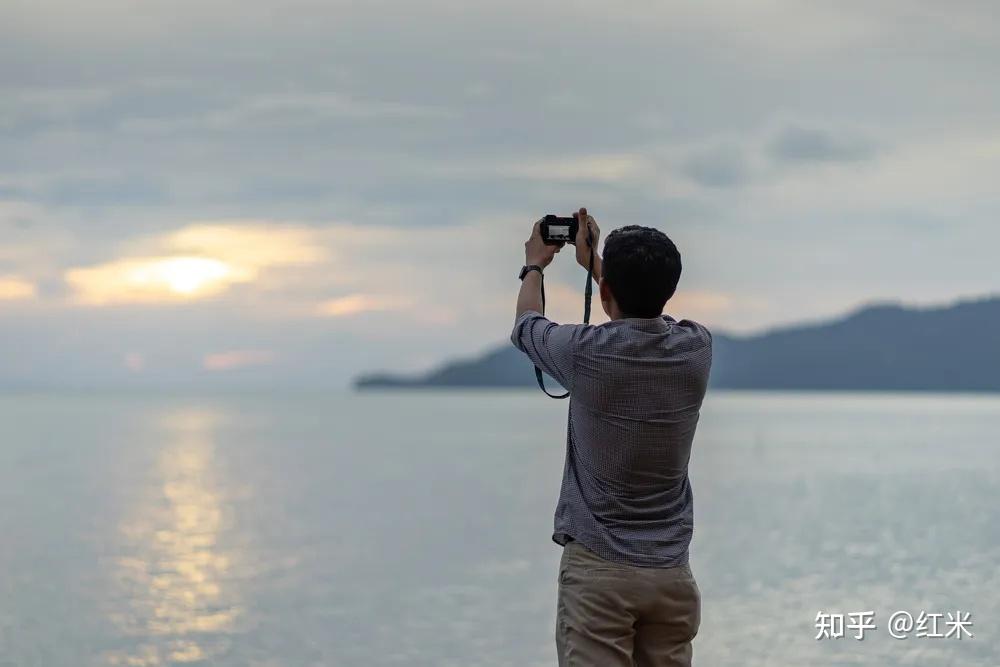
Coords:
pixel 626 594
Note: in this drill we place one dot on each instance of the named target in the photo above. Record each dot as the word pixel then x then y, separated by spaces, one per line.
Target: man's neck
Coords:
pixel 618 315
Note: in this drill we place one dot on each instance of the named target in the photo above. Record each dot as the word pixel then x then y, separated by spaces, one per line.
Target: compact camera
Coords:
pixel 556 230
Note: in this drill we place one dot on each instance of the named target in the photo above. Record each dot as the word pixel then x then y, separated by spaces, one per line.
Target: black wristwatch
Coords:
pixel 525 270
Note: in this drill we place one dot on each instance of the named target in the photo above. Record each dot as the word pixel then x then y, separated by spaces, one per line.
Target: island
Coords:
pixel 881 347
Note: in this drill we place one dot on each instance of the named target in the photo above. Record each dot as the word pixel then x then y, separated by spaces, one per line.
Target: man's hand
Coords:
pixel 583 246
pixel 536 251
pixel 587 222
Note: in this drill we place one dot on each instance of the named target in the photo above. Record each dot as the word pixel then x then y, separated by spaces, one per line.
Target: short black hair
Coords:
pixel 641 266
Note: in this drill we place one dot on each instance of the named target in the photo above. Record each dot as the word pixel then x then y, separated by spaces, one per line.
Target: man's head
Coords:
pixel 641 270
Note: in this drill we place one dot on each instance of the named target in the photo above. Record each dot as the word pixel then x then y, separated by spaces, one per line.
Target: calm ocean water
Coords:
pixel 413 529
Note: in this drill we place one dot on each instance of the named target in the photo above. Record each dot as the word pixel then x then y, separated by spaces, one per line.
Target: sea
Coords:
pixel 383 529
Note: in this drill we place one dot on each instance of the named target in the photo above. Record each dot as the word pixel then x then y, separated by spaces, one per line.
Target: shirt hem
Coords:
pixel 562 539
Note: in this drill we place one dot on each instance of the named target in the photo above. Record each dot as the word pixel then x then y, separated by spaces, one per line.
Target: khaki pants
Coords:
pixel 615 615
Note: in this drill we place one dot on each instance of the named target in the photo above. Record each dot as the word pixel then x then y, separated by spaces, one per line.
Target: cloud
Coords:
pixel 355 304
pixel 289 110
pixel 601 168
pixel 251 244
pixel 34 104
pixel 948 176
pixel 206 260
pixel 134 361
pixel 745 155
pixel 235 359
pixel 153 280
pixel 801 144
pixel 717 167
pixel 13 288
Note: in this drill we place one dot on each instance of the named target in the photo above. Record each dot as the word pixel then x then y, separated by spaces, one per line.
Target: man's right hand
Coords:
pixel 587 222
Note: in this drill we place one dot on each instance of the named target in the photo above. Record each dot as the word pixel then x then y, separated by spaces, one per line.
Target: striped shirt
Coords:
pixel 636 387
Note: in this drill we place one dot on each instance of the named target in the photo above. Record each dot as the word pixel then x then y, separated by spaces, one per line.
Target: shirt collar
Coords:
pixel 651 324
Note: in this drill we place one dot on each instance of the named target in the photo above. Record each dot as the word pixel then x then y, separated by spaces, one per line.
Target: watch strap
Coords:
pixel 528 268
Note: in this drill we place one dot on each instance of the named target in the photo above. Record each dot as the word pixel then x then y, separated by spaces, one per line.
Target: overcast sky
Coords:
pixel 299 191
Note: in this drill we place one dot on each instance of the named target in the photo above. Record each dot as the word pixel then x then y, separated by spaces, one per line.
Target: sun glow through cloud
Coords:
pixel 14 288
pixel 251 243
pixel 233 359
pixel 195 262
pixel 184 275
pixel 154 279
pixel 354 304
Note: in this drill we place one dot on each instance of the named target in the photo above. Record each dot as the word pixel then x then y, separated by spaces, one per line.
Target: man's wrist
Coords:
pixel 598 266
pixel 540 263
pixel 528 268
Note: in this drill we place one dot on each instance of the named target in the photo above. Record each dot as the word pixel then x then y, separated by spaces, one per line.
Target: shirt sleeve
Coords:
pixel 550 346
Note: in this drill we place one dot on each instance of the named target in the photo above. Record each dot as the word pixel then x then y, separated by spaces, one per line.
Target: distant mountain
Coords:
pixel 879 347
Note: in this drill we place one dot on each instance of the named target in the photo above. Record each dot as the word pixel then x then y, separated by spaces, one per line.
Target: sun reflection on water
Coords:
pixel 178 579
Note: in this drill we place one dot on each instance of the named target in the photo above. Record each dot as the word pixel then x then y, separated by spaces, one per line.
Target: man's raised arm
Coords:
pixel 537 256
pixel 550 346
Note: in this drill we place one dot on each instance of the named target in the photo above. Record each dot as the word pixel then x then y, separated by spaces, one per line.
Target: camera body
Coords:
pixel 557 230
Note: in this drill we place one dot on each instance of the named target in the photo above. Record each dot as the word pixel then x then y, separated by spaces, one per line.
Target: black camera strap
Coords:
pixel 588 293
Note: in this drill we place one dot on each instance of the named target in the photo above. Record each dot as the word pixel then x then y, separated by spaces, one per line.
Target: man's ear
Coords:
pixel 605 291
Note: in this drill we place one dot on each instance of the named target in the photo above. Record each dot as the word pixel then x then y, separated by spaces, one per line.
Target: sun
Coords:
pixel 186 275
pixel 194 263
pixel 157 279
